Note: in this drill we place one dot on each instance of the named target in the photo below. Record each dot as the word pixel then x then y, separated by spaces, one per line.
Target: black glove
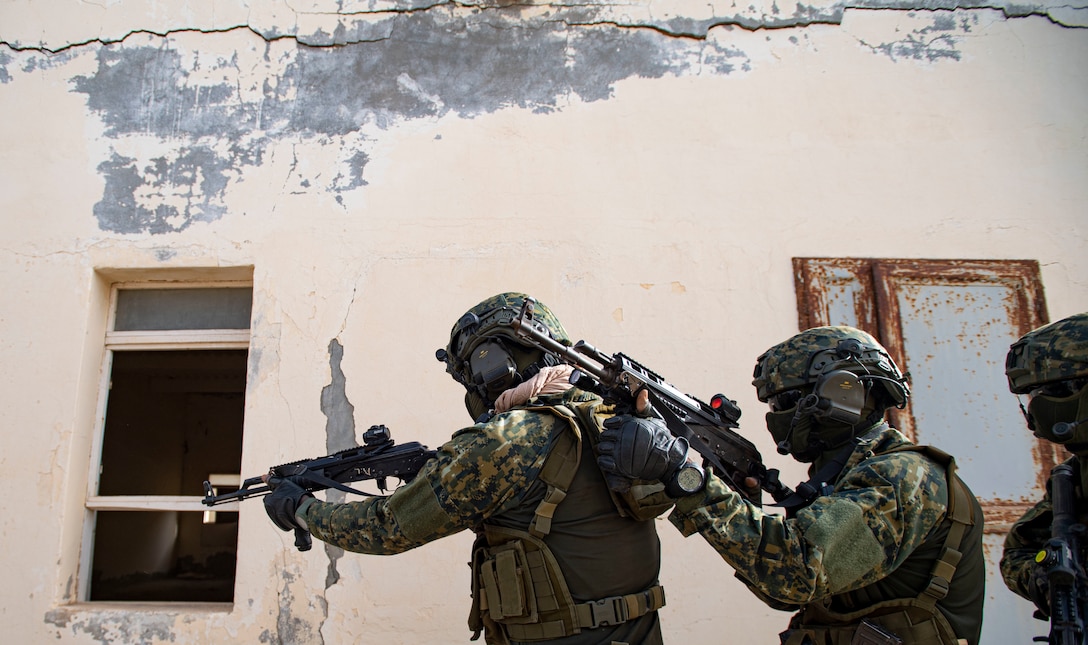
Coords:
pixel 281 504
pixel 638 448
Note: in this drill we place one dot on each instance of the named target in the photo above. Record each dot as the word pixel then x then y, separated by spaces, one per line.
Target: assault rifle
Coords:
pixel 1061 557
pixel 707 428
pixel 378 458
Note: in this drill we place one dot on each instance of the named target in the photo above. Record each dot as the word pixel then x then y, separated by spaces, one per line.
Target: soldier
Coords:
pixel 882 545
pixel 558 558
pixel 1050 366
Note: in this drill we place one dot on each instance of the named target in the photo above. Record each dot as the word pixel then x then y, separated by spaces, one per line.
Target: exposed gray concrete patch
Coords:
pixel 339 435
pixel 369 71
pixel 115 626
pixel 291 629
pixel 339 412
pixel 932 43
pixel 411 66
pixel 143 90
pixel 164 196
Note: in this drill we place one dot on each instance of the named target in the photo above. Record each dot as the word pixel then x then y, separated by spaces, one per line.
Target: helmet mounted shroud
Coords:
pixel 484 353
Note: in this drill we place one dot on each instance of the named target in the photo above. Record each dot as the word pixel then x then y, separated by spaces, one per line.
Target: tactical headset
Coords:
pixel 486 357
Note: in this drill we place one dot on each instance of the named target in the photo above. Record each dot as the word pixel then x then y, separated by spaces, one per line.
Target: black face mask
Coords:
pixel 1049 416
pixel 805 437
pixel 476 406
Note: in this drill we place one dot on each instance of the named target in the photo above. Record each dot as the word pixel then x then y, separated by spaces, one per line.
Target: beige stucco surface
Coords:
pixel 659 220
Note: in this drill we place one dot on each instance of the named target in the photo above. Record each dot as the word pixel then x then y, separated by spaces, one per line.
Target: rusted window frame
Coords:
pixel 877 310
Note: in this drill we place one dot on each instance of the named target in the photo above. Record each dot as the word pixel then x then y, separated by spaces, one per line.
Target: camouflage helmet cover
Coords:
pixel 1054 352
pixel 800 361
pixel 491 318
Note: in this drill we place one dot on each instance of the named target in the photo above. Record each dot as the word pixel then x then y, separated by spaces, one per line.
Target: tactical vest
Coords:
pixel 914 620
pixel 519 590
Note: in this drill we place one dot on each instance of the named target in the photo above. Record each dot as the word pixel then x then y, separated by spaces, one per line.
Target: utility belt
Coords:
pixel 911 626
pixel 519 593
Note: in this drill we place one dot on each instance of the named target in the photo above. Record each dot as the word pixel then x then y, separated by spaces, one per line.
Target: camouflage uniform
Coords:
pixel 492 477
pixel 1052 354
pixel 874 538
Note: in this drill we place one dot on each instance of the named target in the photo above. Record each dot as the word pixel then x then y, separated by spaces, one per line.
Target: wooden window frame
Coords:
pixel 198 339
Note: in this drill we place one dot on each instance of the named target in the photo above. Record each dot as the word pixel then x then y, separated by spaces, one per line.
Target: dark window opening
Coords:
pixel 173 419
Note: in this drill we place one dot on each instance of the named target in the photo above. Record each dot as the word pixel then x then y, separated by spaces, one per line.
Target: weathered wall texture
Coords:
pixel 647 169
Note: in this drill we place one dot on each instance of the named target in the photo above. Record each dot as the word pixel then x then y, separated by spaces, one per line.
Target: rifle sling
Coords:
pixel 316 477
pixel 821 483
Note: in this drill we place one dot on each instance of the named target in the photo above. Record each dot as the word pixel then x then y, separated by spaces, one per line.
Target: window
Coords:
pixel 172 413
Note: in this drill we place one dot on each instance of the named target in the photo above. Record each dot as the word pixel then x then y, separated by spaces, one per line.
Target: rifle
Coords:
pixel 707 428
pixel 378 458
pixel 1061 556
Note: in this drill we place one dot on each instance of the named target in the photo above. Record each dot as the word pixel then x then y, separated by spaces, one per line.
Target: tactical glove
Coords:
pixel 284 500
pixel 638 448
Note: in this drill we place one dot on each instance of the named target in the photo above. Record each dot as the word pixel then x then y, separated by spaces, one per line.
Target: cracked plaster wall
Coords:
pixel 647 169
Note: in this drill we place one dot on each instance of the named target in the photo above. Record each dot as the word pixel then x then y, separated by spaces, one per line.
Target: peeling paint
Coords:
pixel 339 435
pixel 116 626
pixel 220 113
pixel 166 195
pixel 340 426
pixel 933 43
pixel 409 66
pixel 290 628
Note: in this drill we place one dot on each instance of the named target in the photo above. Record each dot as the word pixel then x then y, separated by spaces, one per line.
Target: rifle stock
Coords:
pixel 378 458
pixel 708 428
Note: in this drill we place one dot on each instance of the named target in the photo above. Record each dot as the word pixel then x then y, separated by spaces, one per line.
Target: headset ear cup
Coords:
pixel 843 396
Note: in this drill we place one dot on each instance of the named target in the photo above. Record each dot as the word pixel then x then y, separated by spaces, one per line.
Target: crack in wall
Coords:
pixel 588 15
pixel 218 116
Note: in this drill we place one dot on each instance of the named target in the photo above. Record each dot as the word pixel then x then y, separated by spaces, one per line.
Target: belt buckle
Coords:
pixel 607 612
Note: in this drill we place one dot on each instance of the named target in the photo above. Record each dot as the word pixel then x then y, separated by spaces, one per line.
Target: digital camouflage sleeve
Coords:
pixel 881 510
pixel 481 471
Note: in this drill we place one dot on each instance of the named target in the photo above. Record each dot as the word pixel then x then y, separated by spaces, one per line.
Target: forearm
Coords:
pixel 340 525
pixel 1023 542
pixel 839 543
pixel 765 550
pixel 1016 568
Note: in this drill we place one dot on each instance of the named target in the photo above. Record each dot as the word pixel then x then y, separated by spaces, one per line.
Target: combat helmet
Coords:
pixel 485 355
pixel 1051 353
pixel 810 357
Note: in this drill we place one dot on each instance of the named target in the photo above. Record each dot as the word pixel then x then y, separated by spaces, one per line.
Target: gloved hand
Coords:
pixel 282 503
pixel 638 448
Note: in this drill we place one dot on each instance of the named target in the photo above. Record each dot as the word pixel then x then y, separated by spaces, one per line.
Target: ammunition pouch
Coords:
pixel 519 593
